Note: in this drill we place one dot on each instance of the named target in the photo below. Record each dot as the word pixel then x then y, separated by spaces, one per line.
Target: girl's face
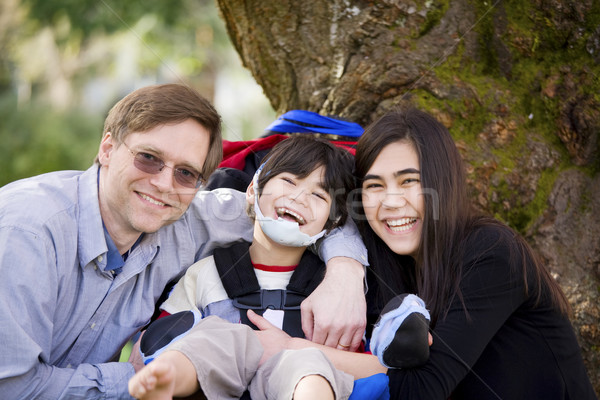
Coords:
pixel 392 198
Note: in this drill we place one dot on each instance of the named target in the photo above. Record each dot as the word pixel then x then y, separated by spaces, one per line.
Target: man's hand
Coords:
pixel 335 314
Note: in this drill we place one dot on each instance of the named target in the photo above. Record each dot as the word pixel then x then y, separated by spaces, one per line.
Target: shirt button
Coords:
pixel 100 258
pixel 92 325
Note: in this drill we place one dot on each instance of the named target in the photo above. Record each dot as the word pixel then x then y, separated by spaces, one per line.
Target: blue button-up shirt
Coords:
pixel 63 317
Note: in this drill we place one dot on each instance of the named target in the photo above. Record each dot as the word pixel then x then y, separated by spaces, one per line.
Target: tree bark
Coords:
pixel 516 83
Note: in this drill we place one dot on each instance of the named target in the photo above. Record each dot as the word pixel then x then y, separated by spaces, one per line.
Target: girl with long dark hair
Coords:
pixel 499 320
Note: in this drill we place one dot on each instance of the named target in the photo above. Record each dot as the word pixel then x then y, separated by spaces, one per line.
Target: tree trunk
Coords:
pixel 516 83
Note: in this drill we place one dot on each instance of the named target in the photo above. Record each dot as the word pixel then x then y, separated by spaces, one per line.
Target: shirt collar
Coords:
pixel 114 259
pixel 91 242
pixel 93 239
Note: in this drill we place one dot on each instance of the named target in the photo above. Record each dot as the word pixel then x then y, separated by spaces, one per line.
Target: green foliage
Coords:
pixel 188 31
pixel 106 16
pixel 126 352
pixel 36 139
pixel 60 53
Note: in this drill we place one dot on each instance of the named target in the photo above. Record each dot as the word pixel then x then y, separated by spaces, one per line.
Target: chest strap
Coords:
pixel 239 280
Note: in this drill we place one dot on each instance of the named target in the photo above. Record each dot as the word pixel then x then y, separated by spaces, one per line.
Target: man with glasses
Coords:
pixel 86 255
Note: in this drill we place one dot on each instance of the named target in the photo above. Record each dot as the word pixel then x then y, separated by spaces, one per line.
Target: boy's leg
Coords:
pixel 313 387
pixel 170 374
pixel 400 338
pixel 225 356
pixel 290 373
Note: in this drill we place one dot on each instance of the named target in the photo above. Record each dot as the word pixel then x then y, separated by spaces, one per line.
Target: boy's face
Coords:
pixel 298 200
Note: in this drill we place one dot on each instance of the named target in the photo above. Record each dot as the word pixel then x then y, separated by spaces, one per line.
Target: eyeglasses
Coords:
pixel 151 164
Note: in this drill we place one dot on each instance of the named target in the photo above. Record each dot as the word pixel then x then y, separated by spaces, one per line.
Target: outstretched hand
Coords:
pixel 335 313
pixel 272 339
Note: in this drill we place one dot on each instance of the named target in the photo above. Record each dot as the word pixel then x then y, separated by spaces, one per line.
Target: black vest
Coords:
pixel 240 282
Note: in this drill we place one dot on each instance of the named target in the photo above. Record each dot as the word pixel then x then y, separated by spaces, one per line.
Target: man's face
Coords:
pixel 133 201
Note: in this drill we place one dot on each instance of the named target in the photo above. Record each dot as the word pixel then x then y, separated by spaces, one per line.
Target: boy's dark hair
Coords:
pixel 301 155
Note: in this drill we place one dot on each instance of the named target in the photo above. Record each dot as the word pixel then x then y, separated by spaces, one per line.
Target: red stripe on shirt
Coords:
pixel 274 268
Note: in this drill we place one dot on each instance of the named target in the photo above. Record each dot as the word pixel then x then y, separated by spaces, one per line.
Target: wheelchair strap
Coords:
pixel 239 280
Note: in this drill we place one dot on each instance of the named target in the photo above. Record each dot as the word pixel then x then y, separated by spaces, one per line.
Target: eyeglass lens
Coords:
pixel 152 165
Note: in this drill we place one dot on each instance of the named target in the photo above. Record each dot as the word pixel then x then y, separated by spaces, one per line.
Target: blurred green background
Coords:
pixel 64 63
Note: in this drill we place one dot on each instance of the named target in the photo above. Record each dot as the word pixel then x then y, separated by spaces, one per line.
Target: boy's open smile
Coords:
pixel 287 214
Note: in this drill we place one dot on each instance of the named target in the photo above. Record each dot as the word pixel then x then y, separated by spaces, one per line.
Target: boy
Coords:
pixel 298 195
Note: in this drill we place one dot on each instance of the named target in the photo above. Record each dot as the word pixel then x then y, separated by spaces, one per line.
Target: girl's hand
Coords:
pixel 273 339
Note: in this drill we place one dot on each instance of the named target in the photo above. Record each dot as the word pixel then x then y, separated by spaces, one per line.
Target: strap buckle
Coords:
pixel 276 299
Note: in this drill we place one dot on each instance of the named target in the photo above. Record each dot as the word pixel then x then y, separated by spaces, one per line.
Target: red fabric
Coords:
pixel 350 146
pixel 275 268
pixel 235 152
